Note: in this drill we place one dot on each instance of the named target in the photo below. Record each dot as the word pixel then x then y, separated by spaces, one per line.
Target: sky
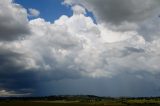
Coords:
pixel 80 47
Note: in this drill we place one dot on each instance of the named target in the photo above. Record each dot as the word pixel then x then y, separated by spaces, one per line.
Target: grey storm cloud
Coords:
pixel 150 29
pixel 72 52
pixel 119 11
pixel 13 76
pixel 136 50
pixel 13 19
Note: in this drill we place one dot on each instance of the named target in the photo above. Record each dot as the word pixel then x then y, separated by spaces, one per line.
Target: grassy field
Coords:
pixel 87 100
pixel 78 103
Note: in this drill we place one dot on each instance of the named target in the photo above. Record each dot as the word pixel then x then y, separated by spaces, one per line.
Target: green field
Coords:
pixel 117 102
pixel 79 100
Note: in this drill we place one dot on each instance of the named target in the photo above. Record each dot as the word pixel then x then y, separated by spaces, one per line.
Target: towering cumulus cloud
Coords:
pixel 122 48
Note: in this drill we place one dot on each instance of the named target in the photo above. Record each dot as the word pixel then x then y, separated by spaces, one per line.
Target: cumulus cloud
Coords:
pixel 75 47
pixel 125 15
pixel 33 12
pixel 67 46
pixel 13 19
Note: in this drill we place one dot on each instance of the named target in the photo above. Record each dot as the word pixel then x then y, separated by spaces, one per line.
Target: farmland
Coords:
pixel 79 101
